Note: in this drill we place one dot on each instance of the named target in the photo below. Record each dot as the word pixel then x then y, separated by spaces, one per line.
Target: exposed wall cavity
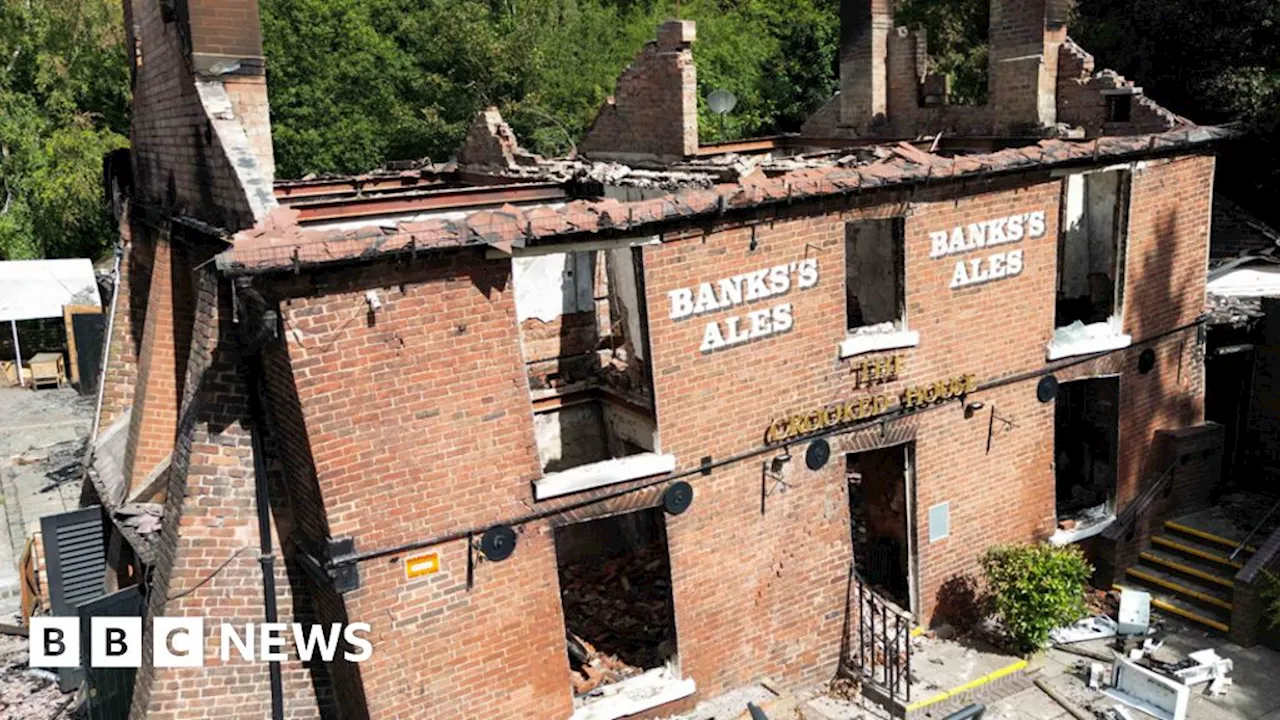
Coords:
pixel 1091 246
pixel 548 286
pixel 874 272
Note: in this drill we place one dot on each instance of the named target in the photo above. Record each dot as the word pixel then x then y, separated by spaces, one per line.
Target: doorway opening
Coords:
pixel 880 513
pixel 1086 450
pixel 615 588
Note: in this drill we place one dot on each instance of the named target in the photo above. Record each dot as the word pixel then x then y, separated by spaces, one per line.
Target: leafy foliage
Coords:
pixel 1212 62
pixel 354 83
pixel 64 103
pixel 1036 588
pixel 957 40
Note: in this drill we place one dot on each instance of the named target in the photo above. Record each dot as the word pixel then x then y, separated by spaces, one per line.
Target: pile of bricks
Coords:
pixel 619 617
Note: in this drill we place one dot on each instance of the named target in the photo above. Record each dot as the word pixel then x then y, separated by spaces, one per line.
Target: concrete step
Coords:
pixel 1185 529
pixel 1209 617
pixel 1192 589
pixel 1194 548
pixel 1206 571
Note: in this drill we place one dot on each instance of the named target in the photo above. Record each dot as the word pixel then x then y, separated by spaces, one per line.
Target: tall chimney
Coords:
pixel 226 45
pixel 1025 36
pixel 864 39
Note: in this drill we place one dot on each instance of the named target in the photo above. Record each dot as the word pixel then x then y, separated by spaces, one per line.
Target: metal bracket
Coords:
pixel 317 561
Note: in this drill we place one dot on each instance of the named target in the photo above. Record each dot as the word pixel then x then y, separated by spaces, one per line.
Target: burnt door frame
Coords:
pixel 1114 485
pixel 912 564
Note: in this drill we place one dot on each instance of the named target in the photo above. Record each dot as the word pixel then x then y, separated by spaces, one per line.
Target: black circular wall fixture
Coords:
pixel 816 456
pixel 1047 390
pixel 1146 361
pixel 677 498
pixel 498 542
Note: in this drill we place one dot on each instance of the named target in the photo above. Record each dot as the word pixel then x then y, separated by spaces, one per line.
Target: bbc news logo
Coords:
pixel 180 642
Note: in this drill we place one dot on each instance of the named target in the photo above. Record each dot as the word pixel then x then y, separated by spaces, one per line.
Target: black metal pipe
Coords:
pixel 889 416
pixel 251 368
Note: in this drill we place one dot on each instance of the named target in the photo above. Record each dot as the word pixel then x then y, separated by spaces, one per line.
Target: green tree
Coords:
pixel 957 38
pixel 64 103
pixel 1213 63
pixel 355 83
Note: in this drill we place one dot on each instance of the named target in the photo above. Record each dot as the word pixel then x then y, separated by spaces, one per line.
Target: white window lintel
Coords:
pixel 861 343
pixel 600 474
pixel 1076 339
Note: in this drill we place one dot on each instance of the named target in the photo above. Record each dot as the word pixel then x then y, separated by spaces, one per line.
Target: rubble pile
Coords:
pixel 25 694
pixel 618 616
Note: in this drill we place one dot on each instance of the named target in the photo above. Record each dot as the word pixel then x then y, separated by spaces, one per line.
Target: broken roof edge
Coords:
pixel 279 244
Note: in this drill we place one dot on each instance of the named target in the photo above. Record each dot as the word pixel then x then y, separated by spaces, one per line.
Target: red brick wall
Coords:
pixel 155 404
pixel 178 161
pixel 654 108
pixel 121 372
pixel 225 27
pixel 416 422
pixel 206 563
pixel 419 422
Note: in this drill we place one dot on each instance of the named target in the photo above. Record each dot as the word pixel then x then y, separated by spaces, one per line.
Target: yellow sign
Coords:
pixel 879 370
pixel 420 565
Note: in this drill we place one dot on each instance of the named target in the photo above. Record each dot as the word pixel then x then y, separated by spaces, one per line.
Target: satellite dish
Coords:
pixel 721 101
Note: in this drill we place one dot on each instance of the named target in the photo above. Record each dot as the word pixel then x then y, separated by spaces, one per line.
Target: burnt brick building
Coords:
pixel 734 389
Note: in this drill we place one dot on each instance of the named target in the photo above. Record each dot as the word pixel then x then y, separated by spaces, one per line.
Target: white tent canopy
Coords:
pixel 36 289
pixel 1250 277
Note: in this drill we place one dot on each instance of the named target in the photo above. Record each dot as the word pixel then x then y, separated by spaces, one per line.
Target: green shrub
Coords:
pixel 1036 588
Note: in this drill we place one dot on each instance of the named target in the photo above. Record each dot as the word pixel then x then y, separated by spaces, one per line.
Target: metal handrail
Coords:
pixel 1254 531
pixel 1140 503
pixel 897 679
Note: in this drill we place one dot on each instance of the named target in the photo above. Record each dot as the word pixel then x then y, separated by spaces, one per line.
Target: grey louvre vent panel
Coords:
pixel 76 554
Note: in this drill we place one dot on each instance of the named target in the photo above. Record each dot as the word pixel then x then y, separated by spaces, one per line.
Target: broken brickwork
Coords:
pixel 653 112
pixel 552 350
pixel 1039 81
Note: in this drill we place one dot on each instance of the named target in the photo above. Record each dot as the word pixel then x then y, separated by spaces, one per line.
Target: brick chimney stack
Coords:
pixel 653 112
pixel 226 44
pixel 864 37
pixel 1025 36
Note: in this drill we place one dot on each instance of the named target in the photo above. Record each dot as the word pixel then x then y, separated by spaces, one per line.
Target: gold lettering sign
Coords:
pixel 938 391
pixel 879 370
pixel 869 406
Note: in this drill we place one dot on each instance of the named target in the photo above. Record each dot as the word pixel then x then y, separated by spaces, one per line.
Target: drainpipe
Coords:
pixel 106 347
pixel 257 327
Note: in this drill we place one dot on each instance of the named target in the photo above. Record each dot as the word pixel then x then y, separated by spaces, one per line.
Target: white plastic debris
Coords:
pixel 1219 686
pixel 1208 666
pixel 1098 627
pixel 1135 612
pixel 1097 675
pixel 1121 712
pixel 1147 691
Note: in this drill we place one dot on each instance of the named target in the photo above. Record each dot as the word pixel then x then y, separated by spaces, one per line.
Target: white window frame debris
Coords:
pixel 646 691
pixel 1134 615
pixel 1150 692
pixel 1209 666
pixel 1081 532
pixel 1080 339
pixel 1097 627
pixel 601 474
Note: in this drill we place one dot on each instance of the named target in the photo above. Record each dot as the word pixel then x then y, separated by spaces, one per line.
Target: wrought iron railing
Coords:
pixel 879 642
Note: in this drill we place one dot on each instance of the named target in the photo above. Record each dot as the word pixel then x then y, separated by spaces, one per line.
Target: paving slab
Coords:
pixel 42 434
